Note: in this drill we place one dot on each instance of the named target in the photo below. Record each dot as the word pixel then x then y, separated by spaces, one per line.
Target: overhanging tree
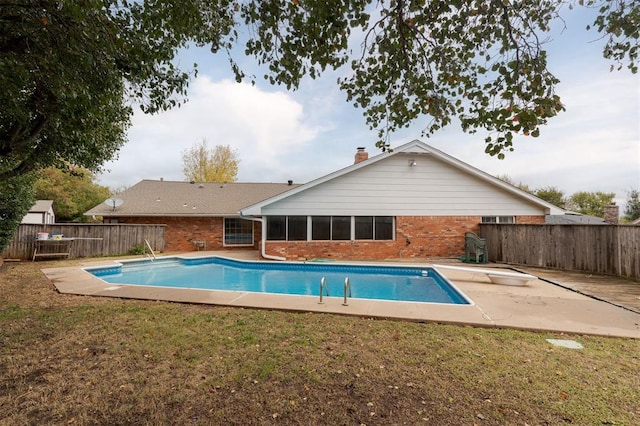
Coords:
pixel 71 72
pixel 482 61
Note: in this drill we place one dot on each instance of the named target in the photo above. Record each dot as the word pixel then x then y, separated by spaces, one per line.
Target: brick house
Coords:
pixel 413 202
pixel 197 216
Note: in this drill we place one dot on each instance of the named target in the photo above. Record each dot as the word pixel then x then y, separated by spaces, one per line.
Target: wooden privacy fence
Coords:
pixel 605 249
pixel 89 240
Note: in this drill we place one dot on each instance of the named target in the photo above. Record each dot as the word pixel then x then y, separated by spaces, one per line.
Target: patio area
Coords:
pixel 557 301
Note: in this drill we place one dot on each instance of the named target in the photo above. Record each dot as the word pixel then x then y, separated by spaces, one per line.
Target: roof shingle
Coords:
pixel 171 198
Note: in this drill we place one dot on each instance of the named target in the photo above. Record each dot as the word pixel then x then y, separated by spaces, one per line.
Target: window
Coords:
pixel 324 228
pixel 276 229
pixel 321 227
pixel 238 232
pixel 364 227
pixel 341 228
pixel 498 219
pixel 297 228
pixel 331 227
pixel 384 228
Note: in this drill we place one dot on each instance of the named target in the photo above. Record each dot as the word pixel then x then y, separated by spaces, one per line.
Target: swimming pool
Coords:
pixel 395 283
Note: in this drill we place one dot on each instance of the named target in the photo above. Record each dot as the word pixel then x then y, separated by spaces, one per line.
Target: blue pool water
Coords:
pixel 396 283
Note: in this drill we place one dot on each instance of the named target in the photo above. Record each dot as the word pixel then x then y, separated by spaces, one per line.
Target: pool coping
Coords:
pixel 539 306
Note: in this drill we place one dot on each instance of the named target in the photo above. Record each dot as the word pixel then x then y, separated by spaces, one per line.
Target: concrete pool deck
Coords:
pixel 545 304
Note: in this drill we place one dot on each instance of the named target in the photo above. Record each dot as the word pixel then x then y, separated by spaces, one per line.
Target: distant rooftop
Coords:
pixel 571 218
pixel 41 206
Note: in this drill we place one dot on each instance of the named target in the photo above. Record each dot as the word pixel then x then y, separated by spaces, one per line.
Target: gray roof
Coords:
pixel 41 206
pixel 571 218
pixel 170 198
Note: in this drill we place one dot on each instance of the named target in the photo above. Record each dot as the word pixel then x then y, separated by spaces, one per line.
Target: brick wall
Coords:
pixel 416 237
pixel 530 220
pixel 181 232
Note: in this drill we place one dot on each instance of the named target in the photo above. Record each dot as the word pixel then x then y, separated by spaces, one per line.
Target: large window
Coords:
pixel 321 228
pixel 276 228
pixel 337 228
pixel 364 227
pixel 238 232
pixel 384 228
pixel 282 228
pixel 297 228
pixel 341 228
pixel 331 227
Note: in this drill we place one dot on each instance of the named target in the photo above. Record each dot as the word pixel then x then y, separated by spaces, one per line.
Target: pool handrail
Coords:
pixel 323 285
pixel 347 289
pixel 146 242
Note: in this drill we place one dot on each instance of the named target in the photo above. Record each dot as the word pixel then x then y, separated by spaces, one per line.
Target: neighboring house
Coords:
pixel 197 215
pixel 41 213
pixel 611 217
pixel 413 202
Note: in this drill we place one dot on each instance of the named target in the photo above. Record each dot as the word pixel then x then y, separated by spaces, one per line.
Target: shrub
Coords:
pixel 137 249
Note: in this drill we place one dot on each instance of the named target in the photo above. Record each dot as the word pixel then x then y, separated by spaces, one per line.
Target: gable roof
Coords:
pixel 413 147
pixel 42 206
pixel 171 198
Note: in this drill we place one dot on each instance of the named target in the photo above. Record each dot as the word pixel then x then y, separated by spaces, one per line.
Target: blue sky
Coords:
pixel 305 134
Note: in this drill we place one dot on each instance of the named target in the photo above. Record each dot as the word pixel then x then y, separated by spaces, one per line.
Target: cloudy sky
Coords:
pixel 302 135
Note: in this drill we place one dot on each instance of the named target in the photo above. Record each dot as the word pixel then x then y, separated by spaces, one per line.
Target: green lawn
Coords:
pixel 80 360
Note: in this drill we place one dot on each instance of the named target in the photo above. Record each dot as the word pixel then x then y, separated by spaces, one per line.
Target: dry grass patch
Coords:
pixel 80 360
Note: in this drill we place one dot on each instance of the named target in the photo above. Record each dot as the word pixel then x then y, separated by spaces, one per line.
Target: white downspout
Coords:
pixel 264 237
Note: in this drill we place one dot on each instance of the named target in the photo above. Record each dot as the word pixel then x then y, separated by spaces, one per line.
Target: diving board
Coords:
pixel 496 277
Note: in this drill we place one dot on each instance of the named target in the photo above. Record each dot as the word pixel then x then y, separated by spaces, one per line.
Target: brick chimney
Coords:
pixel 361 155
pixel 612 214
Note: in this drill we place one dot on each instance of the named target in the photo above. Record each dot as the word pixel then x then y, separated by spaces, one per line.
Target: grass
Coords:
pixel 80 360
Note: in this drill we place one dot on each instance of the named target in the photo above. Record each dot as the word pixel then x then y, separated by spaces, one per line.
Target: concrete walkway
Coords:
pixel 549 303
pixel 618 291
pixel 540 305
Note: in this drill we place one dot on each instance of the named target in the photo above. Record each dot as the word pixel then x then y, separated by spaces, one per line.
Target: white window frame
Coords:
pixel 224 233
pixel 352 230
pixel 499 219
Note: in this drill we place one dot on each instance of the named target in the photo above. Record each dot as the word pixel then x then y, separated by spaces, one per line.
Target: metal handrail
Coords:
pixel 347 290
pixel 146 242
pixel 323 286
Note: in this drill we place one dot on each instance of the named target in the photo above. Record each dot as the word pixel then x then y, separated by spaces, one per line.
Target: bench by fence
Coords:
pixel 89 240
pixel 603 249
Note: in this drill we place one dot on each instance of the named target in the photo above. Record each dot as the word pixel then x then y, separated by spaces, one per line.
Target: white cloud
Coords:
pixel 260 125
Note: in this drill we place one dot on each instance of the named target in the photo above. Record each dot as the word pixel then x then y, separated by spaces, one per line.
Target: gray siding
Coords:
pixel 391 187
